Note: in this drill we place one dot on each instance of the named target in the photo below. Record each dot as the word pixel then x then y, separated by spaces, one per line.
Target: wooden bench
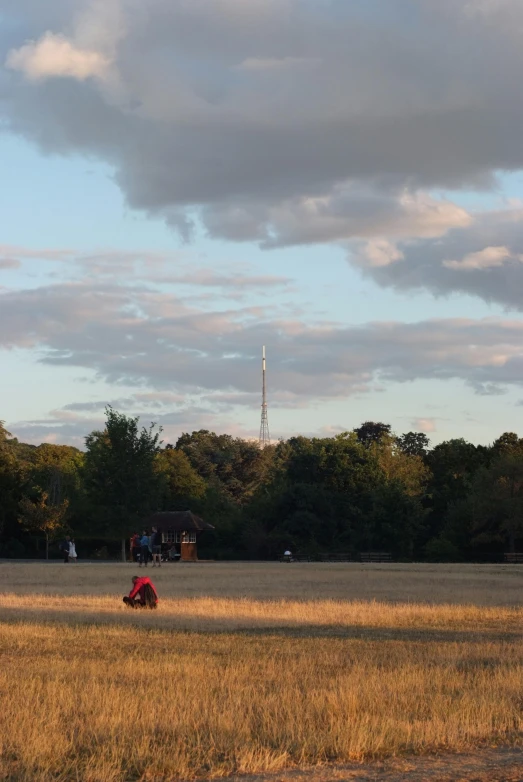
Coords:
pixel 334 557
pixel 375 556
pixel 513 559
pixel 296 558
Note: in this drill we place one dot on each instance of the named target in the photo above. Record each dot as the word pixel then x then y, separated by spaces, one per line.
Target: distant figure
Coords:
pixel 135 547
pixel 144 549
pixel 172 554
pixel 64 548
pixel 287 556
pixel 72 551
pixel 142 595
pixel 155 545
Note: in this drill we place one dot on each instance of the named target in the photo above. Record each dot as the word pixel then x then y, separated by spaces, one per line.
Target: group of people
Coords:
pixel 146 547
pixel 68 549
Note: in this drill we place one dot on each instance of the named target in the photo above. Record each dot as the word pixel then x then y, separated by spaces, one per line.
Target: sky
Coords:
pixel 185 181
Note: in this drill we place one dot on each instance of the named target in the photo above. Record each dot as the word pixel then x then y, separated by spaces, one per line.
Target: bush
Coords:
pixel 441 550
pixel 13 549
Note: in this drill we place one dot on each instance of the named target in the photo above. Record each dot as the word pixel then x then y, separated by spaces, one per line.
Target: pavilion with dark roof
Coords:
pixel 180 528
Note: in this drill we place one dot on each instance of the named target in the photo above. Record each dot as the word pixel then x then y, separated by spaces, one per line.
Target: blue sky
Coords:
pixel 384 282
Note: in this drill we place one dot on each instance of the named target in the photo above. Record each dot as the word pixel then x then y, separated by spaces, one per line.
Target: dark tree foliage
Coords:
pixel 372 432
pixel 121 476
pixel 414 443
pixel 231 464
pixel 367 490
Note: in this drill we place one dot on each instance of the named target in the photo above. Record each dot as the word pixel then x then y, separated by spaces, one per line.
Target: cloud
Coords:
pixel 22 253
pixel 289 122
pixel 128 334
pixel 348 212
pixel 483 259
pixel 275 63
pixel 9 263
pixel 488 258
pixel 426 425
pixel 55 56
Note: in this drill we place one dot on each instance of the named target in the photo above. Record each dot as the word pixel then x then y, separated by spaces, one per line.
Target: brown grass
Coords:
pixel 209 685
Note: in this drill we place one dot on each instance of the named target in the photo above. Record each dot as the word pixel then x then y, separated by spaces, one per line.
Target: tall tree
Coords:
pixel 121 475
pixel 372 432
pixel 230 464
pixel 407 470
pixel 453 465
pixel 180 483
pixel 508 443
pixel 12 479
pixel 414 443
pixel 42 515
pixel 497 501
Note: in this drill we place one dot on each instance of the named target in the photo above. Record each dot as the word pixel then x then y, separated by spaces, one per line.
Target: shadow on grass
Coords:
pixel 154 621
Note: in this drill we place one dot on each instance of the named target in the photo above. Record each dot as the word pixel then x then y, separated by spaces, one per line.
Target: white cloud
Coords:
pixel 426 425
pixel 490 257
pixel 380 252
pixel 54 56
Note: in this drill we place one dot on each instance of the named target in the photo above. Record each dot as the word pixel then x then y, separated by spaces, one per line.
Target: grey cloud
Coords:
pixel 483 260
pixel 9 263
pixel 129 336
pixel 434 102
pixel 74 430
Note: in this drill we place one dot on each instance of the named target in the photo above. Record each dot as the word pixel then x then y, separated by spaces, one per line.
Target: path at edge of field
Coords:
pixel 503 764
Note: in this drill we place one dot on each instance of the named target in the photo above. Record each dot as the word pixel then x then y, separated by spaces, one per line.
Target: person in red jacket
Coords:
pixel 142 595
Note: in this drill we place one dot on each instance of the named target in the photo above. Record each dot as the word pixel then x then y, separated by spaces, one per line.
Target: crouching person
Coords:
pixel 142 595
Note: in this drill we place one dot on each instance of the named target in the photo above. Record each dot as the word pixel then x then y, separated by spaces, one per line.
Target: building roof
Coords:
pixel 178 521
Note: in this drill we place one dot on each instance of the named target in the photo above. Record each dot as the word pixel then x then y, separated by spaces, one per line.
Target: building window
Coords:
pixel 168 537
pixel 192 537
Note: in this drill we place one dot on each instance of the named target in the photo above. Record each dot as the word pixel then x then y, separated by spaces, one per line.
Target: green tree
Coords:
pixel 453 465
pixel 121 474
pixel 372 432
pixel 12 479
pixel 508 443
pixel 316 494
pixel 414 443
pixel 180 483
pixel 407 470
pixel 44 516
pixel 231 464
pixel 497 501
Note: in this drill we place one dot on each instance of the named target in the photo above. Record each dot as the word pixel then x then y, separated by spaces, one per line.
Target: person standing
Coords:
pixel 72 551
pixel 155 542
pixel 135 547
pixel 64 548
pixel 144 549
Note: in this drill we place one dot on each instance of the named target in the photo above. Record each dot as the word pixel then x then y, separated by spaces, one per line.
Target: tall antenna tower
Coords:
pixel 265 438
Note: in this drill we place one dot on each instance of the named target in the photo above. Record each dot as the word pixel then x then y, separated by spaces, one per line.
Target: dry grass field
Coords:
pixel 253 668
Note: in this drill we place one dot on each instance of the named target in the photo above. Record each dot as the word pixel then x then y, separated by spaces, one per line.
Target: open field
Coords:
pixel 254 668
pixel 482 585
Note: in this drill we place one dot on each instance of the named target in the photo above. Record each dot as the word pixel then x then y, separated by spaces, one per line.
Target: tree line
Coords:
pixel 361 491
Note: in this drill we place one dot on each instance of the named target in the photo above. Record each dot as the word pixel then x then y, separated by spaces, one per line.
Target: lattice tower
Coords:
pixel 265 438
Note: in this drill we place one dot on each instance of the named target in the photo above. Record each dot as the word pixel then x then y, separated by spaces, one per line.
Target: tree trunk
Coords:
pixel 47 546
pixel 124 557
pixel 512 536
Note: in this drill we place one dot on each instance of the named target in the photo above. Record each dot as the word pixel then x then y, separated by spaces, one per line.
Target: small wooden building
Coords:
pixel 181 529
